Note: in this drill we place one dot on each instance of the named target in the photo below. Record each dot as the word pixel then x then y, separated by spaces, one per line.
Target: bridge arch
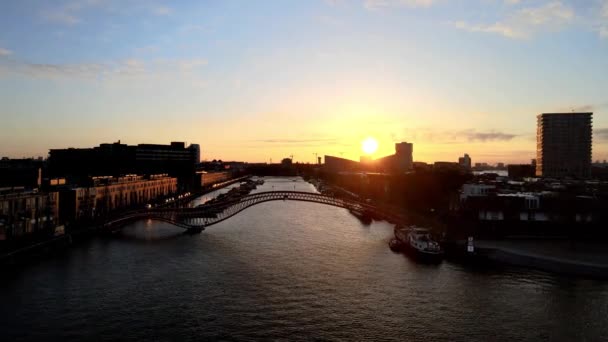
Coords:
pixel 197 219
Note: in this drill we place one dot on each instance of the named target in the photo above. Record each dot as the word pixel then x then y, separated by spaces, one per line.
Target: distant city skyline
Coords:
pixel 263 80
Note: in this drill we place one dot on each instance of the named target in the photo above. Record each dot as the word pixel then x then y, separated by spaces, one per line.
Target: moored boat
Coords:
pixel 419 243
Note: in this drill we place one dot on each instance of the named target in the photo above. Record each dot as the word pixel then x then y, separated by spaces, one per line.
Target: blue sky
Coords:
pixel 254 80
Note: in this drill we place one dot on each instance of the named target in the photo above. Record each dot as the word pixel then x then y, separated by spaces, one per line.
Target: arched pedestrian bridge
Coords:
pixel 197 219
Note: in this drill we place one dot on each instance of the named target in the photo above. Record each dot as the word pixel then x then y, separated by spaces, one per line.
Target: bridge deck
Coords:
pixel 209 214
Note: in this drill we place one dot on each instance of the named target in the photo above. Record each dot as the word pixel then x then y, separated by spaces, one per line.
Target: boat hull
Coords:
pixel 421 256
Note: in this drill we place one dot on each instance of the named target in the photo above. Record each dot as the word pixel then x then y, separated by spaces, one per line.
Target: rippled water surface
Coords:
pixel 291 271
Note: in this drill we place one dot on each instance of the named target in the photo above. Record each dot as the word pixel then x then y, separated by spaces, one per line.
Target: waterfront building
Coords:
pixel 563 145
pixel 111 193
pixel 24 212
pixel 533 212
pixel 207 179
pixel 538 208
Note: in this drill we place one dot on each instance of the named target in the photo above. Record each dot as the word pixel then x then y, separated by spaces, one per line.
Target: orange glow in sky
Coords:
pixel 335 73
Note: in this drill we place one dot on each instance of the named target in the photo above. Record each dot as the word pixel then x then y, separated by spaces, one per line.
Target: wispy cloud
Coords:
pixel 525 22
pixel 583 108
pixel 600 134
pixel 162 10
pixel 194 28
pixel 377 4
pixel 439 136
pixel 129 67
pixel 71 13
pixel 99 70
pixel 190 64
pixel 61 17
pixel 472 135
pixel 147 49
pixel 499 28
pixel 68 13
pixel 5 52
pixel 44 70
pixel 590 107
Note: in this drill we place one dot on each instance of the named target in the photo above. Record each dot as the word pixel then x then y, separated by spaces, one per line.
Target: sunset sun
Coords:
pixel 369 145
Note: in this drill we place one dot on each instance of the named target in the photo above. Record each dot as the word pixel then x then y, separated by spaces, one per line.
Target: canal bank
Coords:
pixel 85 231
pixel 572 258
pixel 564 257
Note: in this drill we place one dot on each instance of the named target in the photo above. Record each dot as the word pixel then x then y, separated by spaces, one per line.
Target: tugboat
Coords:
pixel 419 243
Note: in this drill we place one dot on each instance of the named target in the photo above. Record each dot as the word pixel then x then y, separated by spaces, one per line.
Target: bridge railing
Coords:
pixel 213 213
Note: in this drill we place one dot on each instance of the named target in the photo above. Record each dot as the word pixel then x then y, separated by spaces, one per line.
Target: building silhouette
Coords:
pixel 563 145
pixel 79 164
pixel 520 171
pixel 399 162
pixel 337 164
pixel 465 162
pixel 404 155
pixel 21 173
pixel 197 152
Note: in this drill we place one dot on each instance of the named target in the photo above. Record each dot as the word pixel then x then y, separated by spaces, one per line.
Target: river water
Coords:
pixel 286 271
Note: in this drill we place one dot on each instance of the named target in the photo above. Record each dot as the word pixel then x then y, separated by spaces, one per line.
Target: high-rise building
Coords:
pixel 403 155
pixel 563 145
pixel 196 148
pixel 465 162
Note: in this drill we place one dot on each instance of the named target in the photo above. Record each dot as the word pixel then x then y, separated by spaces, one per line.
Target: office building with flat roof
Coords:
pixel 77 164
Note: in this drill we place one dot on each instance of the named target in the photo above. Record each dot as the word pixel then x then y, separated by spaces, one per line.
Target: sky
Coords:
pixel 261 80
